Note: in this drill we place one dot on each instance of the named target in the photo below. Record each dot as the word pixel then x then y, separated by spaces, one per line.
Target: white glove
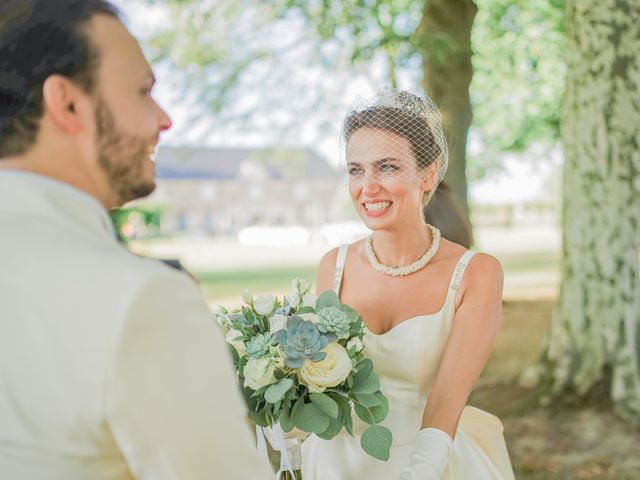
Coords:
pixel 429 456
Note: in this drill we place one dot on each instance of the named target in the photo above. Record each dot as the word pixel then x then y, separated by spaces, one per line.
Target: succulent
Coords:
pixel 333 320
pixel 259 345
pixel 301 340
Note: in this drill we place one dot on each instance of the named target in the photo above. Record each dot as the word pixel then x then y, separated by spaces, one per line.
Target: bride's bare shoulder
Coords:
pixel 328 260
pixel 327 266
pixel 484 272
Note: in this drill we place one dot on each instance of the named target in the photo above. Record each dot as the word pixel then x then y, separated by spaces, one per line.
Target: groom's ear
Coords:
pixel 65 104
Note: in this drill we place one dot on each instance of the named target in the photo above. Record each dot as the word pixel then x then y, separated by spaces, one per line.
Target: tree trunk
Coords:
pixel 444 37
pixel 595 332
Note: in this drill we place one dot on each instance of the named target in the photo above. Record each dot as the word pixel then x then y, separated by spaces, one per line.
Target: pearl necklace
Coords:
pixel 407 269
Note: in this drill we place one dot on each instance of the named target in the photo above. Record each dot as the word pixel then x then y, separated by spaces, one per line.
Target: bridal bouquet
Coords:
pixel 302 371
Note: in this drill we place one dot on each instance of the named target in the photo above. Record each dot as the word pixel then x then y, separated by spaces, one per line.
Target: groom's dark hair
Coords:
pixel 40 38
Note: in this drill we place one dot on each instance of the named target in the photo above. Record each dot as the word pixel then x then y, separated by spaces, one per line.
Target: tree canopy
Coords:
pixel 291 67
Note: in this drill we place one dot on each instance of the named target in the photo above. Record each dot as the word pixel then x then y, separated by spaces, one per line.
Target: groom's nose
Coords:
pixel 164 121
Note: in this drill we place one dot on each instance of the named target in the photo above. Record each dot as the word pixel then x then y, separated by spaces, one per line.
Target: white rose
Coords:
pixel 355 342
pixel 309 317
pixel 235 338
pixel 293 299
pixel 263 304
pixel 259 372
pixel 309 300
pixel 277 322
pixel 247 297
pixel 330 372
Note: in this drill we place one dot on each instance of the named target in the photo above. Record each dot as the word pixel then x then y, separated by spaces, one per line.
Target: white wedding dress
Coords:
pixel 406 359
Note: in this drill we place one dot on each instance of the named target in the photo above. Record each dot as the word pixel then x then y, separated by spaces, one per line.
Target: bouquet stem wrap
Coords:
pixel 289 446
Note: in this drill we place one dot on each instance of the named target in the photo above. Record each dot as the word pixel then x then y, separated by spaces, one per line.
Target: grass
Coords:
pixel 525 275
pixel 225 285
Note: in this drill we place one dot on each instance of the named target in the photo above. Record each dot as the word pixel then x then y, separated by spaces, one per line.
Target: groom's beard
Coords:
pixel 122 157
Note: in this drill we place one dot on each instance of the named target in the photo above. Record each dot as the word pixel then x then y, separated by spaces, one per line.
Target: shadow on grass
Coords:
pixel 574 438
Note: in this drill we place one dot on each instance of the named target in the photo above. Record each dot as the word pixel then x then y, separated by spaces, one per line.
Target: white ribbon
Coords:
pixel 289 448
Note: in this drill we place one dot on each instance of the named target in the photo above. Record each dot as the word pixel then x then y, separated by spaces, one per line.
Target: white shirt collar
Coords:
pixel 26 192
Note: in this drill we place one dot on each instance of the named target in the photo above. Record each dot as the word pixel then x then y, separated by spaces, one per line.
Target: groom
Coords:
pixel 110 365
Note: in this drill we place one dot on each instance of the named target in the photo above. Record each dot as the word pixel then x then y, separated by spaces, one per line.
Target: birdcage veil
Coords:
pixel 395 135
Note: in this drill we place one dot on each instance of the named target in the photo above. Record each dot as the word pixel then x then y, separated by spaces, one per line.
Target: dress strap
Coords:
pixel 340 260
pixel 461 266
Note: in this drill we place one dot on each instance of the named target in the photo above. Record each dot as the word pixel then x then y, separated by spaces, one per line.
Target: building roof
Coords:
pixel 186 163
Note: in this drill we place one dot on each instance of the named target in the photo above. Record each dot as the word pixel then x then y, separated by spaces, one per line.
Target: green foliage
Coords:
pixel 373 415
pixel 326 404
pixel 367 400
pixel 309 418
pixel 146 215
pixel 286 422
pixel 277 391
pixel 376 441
pixel 327 299
pixel 364 370
pixel 519 72
pixel 223 49
pixel 259 418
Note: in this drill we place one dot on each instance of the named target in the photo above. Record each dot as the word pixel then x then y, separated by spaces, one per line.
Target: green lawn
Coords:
pixel 226 284
pixel 523 273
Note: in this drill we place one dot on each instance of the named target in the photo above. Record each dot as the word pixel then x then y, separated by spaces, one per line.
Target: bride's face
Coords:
pixel 384 183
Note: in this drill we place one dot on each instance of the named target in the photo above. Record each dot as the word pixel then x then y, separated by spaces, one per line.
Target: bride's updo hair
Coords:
pixel 416 130
pixel 408 116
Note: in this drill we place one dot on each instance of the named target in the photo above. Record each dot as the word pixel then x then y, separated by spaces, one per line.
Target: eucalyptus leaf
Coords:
pixel 260 391
pixel 247 393
pixel 327 299
pixel 375 414
pixel 352 315
pixel 235 358
pixel 335 425
pixel 325 403
pixel 348 423
pixel 285 419
pixel 368 399
pixel 376 441
pixel 258 418
pixel 365 367
pixel 277 391
pixel 305 310
pixel 309 418
pixel 369 385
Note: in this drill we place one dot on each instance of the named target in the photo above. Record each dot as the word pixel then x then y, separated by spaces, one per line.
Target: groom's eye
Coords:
pixel 354 171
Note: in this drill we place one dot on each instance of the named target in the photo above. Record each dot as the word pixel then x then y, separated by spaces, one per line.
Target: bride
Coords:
pixel 431 307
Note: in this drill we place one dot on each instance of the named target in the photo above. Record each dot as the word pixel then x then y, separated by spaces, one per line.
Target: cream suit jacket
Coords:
pixel 111 366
